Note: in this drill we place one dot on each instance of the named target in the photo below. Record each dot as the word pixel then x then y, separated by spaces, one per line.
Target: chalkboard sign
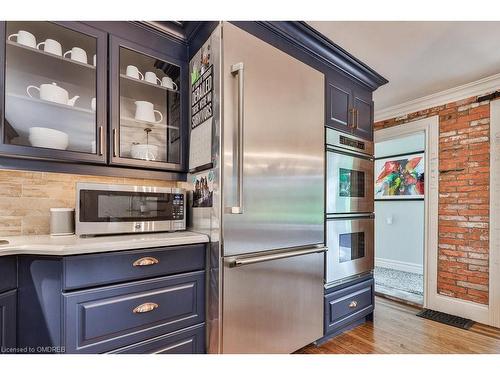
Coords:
pixel 202 98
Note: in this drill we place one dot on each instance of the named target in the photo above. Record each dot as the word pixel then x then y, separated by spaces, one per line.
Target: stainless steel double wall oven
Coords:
pixel 349 207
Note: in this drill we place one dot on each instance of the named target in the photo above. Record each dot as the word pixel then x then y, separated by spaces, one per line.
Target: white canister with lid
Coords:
pixel 62 221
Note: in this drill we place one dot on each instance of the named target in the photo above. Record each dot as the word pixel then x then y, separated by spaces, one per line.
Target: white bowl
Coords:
pixel 144 151
pixel 48 138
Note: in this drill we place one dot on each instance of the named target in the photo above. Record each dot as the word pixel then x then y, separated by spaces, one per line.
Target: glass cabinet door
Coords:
pixel 147 124
pixel 53 107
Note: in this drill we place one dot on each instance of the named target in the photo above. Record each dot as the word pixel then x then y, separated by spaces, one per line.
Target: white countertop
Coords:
pixel 73 245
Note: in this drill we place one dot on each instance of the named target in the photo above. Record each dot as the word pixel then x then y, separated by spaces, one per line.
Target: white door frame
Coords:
pixel 432 299
pixel 494 274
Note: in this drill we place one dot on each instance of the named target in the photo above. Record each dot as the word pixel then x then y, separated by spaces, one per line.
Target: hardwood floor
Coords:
pixel 396 330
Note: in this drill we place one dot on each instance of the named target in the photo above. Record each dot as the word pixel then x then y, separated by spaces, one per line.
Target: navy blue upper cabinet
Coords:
pixel 349 106
pixel 53 91
pixel 148 95
pixel 338 102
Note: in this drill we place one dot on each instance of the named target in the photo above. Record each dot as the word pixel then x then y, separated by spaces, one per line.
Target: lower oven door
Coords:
pixel 349 185
pixel 350 247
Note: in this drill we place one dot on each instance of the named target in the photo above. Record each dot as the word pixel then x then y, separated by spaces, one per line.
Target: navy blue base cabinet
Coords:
pixel 347 306
pixel 138 301
pixel 7 321
pixel 8 303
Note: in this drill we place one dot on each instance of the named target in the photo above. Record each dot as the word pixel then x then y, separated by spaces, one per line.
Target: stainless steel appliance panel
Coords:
pixel 349 186
pixel 273 306
pixel 273 142
pixel 350 247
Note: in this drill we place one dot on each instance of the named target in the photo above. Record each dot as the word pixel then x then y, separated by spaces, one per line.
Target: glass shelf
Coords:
pixel 142 82
pixel 132 122
pixel 43 55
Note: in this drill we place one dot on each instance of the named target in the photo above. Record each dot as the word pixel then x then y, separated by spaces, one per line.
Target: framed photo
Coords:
pixel 400 177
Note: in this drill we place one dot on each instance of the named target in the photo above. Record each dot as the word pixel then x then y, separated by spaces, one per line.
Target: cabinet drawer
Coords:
pixel 8 320
pixel 347 305
pixel 104 319
pixel 84 271
pixel 8 272
pixel 187 341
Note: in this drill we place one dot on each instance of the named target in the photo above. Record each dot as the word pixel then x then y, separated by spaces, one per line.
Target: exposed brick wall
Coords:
pixel 464 165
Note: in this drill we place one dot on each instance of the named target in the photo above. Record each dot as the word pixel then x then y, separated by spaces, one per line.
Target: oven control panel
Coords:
pixel 352 143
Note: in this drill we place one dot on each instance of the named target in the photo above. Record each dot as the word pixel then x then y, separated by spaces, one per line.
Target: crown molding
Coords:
pixel 479 87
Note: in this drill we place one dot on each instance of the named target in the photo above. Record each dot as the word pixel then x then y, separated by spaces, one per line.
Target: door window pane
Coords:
pixel 149 108
pixel 50 87
pixel 352 246
pixel 351 183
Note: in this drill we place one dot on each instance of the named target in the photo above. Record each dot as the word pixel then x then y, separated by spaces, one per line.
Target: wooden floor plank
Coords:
pixel 397 330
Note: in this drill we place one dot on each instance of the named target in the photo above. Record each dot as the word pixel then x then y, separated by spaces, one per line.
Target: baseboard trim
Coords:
pixel 399 266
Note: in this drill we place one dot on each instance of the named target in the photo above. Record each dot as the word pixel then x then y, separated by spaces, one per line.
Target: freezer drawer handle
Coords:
pixel 238 70
pixel 265 258
pixel 146 261
pixel 145 307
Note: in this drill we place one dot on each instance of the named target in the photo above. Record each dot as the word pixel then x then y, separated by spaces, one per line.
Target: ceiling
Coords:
pixel 419 58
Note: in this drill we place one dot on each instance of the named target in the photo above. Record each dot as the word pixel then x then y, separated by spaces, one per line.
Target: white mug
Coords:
pixel 77 54
pixel 51 46
pixel 144 111
pixel 133 72
pixel 169 83
pixel 151 78
pixel 93 104
pixel 25 38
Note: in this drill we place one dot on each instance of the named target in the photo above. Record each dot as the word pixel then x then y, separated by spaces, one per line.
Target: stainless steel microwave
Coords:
pixel 112 209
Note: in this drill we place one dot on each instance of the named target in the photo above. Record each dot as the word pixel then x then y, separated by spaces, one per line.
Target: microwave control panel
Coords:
pixel 178 207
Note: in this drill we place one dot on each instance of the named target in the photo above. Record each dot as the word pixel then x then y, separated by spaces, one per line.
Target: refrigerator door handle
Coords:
pixel 238 70
pixel 235 262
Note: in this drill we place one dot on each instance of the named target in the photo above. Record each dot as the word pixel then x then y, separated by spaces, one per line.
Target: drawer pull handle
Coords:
pixel 353 304
pixel 146 261
pixel 145 307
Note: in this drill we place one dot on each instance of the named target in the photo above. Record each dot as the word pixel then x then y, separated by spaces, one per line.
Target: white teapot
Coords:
pixel 53 93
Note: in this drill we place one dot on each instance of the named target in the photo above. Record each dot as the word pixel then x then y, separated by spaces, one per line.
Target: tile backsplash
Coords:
pixel 26 197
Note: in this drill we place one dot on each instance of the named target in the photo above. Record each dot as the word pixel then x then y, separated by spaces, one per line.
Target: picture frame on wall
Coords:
pixel 400 177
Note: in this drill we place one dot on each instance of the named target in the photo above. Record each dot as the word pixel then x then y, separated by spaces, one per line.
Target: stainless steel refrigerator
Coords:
pixel 257 189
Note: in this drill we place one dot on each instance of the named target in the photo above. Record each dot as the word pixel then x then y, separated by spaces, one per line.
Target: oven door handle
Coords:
pixel 350 216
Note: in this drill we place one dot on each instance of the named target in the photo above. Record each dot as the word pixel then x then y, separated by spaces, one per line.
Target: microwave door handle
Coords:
pixel 238 70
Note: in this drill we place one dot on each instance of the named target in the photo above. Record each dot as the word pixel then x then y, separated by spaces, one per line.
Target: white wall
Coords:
pixel 399 225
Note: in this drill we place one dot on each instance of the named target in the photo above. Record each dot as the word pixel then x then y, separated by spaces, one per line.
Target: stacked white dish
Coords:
pixel 144 151
pixel 48 138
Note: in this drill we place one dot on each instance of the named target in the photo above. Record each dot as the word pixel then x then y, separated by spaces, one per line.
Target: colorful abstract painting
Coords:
pixel 400 178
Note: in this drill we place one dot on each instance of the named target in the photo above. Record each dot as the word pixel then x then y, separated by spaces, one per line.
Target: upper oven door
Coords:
pixel 349 187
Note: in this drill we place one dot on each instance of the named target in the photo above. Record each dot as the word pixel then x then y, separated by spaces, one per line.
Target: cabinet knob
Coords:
pixel 145 307
pixel 146 261
pixel 353 304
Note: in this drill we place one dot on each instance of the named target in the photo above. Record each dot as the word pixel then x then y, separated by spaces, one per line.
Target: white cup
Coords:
pixel 133 71
pixel 93 104
pixel 151 78
pixel 25 38
pixel 51 46
pixel 169 83
pixel 144 111
pixel 77 54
